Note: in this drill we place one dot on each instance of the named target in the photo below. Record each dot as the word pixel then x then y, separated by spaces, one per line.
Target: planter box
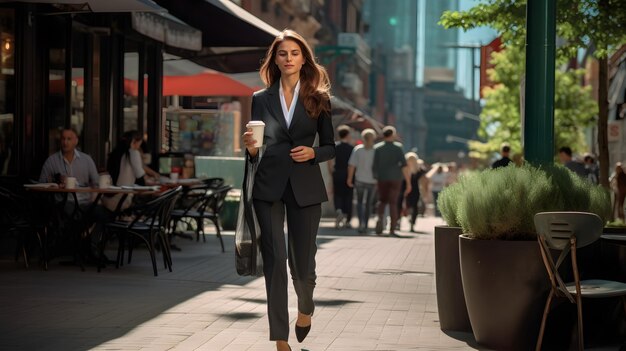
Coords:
pixel 450 299
pixel 228 216
pixel 505 285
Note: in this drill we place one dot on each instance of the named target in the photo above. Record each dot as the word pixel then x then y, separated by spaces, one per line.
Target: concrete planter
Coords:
pixel 506 286
pixel 450 299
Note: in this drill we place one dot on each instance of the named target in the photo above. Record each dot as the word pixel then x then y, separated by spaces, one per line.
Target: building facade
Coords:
pixel 98 69
pixel 392 34
pixel 334 29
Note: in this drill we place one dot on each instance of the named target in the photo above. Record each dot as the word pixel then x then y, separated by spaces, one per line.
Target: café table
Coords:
pixel 77 221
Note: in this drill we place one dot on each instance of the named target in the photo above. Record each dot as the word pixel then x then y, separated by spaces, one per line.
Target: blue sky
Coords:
pixel 481 35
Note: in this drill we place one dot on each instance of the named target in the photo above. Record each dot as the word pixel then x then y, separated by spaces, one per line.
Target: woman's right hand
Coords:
pixel 249 142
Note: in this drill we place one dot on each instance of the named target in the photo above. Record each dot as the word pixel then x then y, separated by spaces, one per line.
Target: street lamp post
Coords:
pixel 459 115
pixel 456 139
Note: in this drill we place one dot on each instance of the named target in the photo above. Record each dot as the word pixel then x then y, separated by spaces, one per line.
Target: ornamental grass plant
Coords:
pixel 448 202
pixel 501 203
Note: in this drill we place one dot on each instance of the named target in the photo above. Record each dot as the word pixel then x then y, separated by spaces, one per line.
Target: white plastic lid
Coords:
pixel 255 123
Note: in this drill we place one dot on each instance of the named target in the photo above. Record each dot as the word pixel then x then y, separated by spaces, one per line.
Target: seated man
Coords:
pixel 69 162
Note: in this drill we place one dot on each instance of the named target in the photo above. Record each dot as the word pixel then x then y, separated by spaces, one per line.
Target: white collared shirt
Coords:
pixel 283 103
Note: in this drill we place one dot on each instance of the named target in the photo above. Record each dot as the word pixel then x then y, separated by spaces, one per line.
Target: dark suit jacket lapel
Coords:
pixel 298 114
pixel 276 110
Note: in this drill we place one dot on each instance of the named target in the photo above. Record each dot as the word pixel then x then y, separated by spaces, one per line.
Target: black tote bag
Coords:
pixel 248 258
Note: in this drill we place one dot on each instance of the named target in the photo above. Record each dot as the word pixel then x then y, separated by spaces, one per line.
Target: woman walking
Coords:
pixel 618 184
pixel 295 107
pixel 410 201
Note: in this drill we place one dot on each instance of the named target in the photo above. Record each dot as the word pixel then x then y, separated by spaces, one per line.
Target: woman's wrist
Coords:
pixel 253 151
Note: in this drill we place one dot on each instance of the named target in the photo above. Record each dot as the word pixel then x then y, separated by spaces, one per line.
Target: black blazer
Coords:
pixel 277 167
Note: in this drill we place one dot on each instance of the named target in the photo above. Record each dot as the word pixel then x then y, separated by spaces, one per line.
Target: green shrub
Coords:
pixel 448 202
pixel 502 203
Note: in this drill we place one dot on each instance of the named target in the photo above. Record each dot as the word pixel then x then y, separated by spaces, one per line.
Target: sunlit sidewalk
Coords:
pixel 373 293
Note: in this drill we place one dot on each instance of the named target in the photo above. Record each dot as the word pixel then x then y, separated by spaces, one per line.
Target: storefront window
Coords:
pixel 203 132
pixel 77 87
pixel 131 86
pixel 7 92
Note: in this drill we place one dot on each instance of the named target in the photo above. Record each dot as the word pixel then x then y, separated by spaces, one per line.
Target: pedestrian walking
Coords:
pixel 453 174
pixel 343 194
pixel 389 170
pixel 438 178
pixel 618 185
pixel 505 151
pixel 409 203
pixel 565 155
pixel 361 177
pixel 593 171
pixel 295 107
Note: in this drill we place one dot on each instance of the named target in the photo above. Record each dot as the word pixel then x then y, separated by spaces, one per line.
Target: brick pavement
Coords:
pixel 374 293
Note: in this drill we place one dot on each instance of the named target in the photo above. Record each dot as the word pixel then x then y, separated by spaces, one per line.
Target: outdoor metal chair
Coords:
pixel 566 232
pixel 18 217
pixel 149 224
pixel 208 206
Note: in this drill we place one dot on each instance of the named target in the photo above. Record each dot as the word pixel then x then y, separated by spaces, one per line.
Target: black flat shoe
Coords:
pixel 302 332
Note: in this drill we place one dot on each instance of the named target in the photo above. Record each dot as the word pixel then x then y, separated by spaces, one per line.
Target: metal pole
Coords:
pixel 473 63
pixel 540 61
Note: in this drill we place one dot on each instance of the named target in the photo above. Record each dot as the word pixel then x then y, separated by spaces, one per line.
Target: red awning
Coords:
pixel 204 84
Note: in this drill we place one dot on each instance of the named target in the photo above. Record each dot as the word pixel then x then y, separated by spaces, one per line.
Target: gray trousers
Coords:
pixel 364 200
pixel 302 226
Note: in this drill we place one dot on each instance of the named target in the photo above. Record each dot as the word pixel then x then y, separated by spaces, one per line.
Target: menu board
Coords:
pixel 201 132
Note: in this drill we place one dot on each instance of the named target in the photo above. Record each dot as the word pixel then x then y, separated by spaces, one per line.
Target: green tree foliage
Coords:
pixel 575 109
pixel 580 23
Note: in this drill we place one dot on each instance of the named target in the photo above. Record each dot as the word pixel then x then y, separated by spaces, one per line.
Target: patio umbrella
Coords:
pixel 204 84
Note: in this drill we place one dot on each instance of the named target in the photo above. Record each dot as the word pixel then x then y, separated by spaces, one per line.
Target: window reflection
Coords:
pixel 131 74
pixel 7 92
pixel 56 93
pixel 77 87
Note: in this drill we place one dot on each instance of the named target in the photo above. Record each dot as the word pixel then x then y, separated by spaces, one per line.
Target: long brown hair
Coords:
pixel 314 82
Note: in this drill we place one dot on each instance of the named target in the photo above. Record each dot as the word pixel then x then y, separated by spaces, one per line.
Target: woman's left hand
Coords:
pixel 302 153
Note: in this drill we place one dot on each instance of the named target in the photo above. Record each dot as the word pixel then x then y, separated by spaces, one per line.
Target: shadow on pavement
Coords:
pixel 318 302
pixel 66 309
pixel 466 337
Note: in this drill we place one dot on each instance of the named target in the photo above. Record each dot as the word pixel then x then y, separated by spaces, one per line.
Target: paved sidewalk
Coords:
pixel 373 293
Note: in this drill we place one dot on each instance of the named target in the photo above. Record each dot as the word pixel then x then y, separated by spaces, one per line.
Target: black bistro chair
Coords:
pixel 19 216
pixel 566 232
pixel 149 224
pixel 206 206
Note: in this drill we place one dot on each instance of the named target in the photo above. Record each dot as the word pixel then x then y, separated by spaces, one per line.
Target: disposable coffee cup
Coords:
pixel 258 129
pixel 174 177
pixel 104 181
pixel 70 183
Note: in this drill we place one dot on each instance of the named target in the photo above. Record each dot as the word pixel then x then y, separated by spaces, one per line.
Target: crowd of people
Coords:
pixel 388 182
pixel 381 178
